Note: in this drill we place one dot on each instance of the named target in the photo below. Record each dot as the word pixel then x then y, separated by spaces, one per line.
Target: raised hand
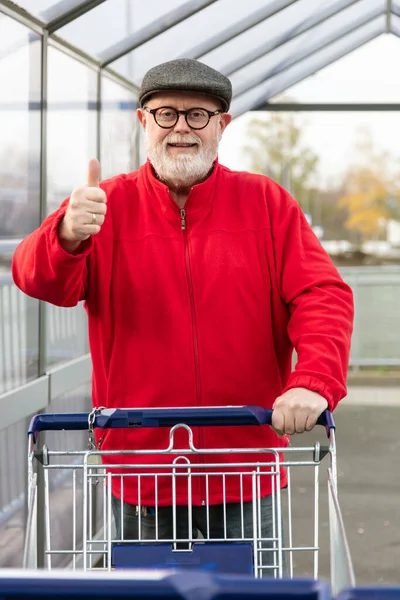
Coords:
pixel 86 211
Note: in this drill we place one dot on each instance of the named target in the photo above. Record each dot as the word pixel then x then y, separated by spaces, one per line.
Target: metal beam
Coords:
pixel 307 50
pixel 237 28
pixel 19 14
pixel 327 107
pixel 388 15
pixel 133 41
pixel 290 34
pixel 99 114
pixel 43 191
pixel 64 12
pixel 263 98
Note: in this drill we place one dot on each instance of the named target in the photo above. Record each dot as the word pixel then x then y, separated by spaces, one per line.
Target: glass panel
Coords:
pixel 210 21
pixel 230 151
pixel 118 130
pixel 71 132
pixel 262 39
pixel 347 80
pixel 14 477
pixel 281 82
pixel 19 195
pixel 281 27
pixel 396 7
pixel 112 21
pixel 395 25
pixel 47 10
pixel 37 7
pixel 283 57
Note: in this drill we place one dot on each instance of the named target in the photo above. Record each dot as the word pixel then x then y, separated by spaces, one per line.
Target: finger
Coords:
pixel 310 422
pixel 278 422
pixel 87 229
pixel 96 220
pixel 94 173
pixel 95 195
pixel 290 427
pixel 91 206
pixel 94 229
pixel 300 420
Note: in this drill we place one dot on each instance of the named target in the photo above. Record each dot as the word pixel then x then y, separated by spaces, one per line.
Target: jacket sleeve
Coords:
pixel 320 303
pixel 43 270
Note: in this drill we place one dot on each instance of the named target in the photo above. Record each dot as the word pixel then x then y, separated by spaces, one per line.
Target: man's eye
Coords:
pixel 166 114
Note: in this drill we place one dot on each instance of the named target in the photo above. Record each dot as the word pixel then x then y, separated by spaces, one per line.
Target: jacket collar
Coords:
pixel 199 199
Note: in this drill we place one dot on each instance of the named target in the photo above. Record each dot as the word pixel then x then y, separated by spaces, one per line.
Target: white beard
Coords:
pixel 186 168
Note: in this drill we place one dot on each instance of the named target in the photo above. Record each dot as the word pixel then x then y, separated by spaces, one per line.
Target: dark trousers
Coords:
pixel 232 526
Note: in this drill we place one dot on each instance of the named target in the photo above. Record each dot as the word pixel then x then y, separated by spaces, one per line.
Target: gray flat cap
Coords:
pixel 186 74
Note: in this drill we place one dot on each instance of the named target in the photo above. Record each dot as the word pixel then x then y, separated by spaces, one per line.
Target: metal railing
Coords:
pixel 14 473
pixel 19 334
pixel 19 347
pixel 376 336
pixel 14 351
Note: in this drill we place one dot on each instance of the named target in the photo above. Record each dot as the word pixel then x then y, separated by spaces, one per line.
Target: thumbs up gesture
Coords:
pixel 86 211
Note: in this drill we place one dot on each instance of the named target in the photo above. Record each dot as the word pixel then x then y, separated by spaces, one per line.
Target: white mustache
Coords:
pixel 175 138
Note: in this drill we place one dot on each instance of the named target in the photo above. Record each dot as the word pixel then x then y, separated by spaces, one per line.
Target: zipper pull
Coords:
pixel 183 218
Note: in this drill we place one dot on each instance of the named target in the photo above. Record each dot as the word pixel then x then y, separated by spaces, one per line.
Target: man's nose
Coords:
pixel 181 125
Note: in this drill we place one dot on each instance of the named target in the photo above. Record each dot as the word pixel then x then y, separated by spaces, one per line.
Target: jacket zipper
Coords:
pixel 192 306
pixel 194 331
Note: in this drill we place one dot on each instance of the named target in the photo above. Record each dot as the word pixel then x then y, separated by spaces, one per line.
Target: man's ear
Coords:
pixel 224 121
pixel 142 117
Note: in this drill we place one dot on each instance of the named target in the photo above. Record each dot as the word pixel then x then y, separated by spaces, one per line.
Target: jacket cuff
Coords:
pixel 327 387
pixel 82 251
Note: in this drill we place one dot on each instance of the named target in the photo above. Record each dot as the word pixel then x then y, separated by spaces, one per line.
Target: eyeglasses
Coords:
pixel 167 117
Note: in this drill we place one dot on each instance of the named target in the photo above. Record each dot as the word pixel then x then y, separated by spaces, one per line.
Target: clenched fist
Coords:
pixel 85 213
pixel 296 411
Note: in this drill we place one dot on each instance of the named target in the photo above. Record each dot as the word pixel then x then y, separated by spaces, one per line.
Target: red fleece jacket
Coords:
pixel 201 316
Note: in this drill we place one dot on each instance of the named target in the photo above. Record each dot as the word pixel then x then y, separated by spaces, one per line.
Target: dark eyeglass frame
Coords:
pixel 183 112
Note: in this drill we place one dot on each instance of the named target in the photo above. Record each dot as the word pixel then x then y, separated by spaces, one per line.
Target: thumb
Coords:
pixel 93 173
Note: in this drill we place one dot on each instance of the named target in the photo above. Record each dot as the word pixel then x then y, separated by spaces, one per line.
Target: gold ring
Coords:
pixel 93 218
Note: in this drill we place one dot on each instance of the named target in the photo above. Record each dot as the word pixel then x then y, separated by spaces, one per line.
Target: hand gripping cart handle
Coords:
pixel 117 418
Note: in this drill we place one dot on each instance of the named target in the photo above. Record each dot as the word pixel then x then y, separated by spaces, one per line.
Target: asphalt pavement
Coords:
pixel 368 452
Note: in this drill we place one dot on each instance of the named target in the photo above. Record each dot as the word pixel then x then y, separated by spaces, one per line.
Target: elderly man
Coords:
pixel 198 282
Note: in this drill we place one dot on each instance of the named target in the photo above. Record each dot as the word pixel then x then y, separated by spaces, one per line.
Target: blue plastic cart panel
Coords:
pixel 235 558
pixel 158 585
pixel 370 593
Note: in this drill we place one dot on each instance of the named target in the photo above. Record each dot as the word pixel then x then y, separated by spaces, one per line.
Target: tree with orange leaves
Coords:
pixel 372 190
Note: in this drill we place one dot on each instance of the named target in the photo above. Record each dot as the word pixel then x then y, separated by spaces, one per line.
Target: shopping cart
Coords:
pixel 86 477
pixel 157 585
pixel 370 593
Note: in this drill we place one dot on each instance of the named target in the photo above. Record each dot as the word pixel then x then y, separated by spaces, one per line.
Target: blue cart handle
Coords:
pixel 129 418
